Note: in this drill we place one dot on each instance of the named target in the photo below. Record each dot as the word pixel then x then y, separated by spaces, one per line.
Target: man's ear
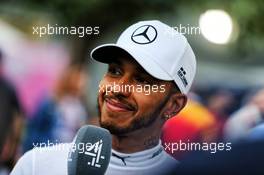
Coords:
pixel 175 104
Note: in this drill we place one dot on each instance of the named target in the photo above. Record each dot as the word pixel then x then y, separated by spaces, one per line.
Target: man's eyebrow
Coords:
pixel 143 73
pixel 115 61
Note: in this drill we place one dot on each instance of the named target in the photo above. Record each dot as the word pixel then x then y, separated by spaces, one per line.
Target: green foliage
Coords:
pixel 248 14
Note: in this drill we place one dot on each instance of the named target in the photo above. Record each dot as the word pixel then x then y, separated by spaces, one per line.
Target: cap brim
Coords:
pixel 107 52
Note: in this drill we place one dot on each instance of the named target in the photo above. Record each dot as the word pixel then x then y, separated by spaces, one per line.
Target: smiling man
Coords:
pixel 150 70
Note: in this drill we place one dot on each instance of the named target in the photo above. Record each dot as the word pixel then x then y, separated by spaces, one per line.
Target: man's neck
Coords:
pixel 136 141
pixel 132 145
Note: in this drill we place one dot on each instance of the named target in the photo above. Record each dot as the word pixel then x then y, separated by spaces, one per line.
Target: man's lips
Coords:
pixel 115 105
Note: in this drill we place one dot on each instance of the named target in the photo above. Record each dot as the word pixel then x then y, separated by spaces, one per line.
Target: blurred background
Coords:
pixel 49 84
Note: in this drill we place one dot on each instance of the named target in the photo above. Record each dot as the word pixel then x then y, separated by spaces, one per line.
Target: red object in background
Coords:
pixel 193 124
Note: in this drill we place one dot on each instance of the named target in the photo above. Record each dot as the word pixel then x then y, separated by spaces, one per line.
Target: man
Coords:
pixel 150 70
pixel 246 123
pixel 11 121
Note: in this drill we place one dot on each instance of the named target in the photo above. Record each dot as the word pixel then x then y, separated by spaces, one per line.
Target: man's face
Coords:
pixel 123 110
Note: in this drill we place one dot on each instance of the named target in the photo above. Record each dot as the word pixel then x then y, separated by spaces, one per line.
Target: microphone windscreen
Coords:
pixel 90 151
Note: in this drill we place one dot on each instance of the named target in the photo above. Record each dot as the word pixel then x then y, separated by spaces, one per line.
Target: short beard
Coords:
pixel 138 123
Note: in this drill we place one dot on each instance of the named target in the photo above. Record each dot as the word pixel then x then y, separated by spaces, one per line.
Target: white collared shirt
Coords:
pixel 53 161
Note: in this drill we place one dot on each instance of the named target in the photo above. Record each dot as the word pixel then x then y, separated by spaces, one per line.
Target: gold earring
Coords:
pixel 167 116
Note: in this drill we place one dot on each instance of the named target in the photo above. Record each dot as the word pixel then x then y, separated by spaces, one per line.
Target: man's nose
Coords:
pixel 123 87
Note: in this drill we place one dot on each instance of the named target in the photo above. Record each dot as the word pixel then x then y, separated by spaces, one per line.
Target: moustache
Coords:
pixel 120 100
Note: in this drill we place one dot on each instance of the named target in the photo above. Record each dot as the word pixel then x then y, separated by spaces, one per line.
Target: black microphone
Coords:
pixel 90 151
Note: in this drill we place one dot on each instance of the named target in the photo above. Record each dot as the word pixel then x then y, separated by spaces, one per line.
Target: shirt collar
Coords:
pixel 125 159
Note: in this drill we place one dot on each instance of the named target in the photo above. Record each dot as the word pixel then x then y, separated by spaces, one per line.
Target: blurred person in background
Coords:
pixel 219 102
pixel 195 123
pixel 248 120
pixel 245 129
pixel 11 122
pixel 61 114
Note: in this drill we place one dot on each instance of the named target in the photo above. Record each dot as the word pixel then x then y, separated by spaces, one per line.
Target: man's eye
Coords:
pixel 114 71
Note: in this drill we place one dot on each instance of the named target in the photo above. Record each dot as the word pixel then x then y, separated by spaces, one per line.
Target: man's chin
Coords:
pixel 115 130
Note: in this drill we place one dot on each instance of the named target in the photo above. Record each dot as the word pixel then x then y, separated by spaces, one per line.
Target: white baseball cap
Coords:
pixel 158 48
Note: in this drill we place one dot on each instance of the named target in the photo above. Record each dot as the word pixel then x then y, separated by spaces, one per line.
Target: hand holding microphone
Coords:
pixel 95 154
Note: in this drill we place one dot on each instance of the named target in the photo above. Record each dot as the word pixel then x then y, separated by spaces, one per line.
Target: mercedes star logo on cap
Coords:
pixel 144 34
